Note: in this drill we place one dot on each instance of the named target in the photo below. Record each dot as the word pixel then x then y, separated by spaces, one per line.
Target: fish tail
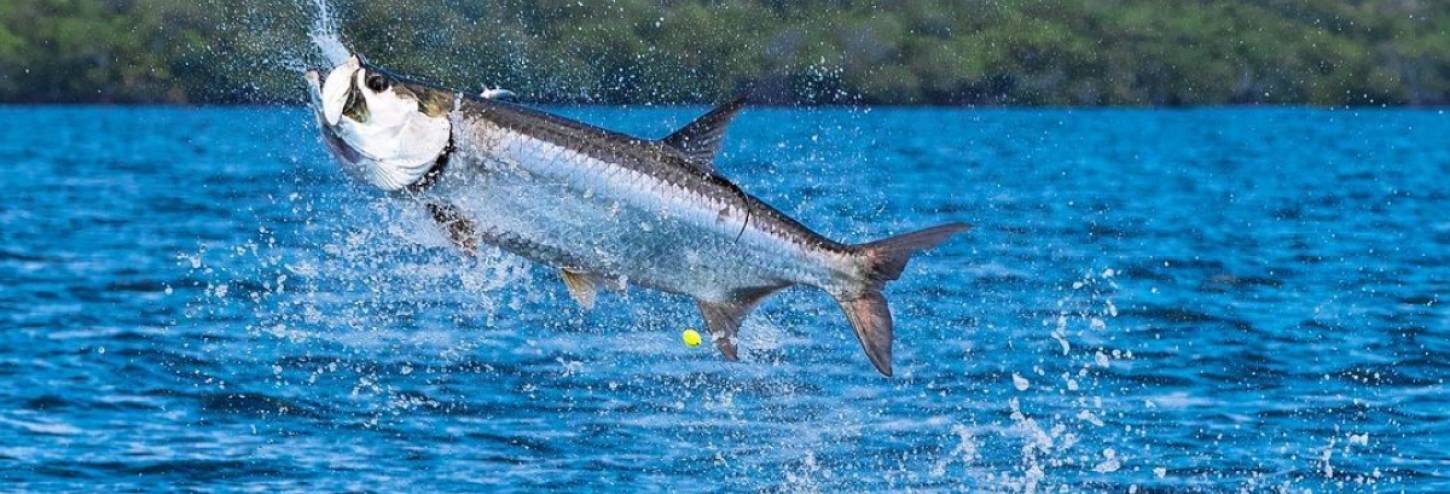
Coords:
pixel 865 307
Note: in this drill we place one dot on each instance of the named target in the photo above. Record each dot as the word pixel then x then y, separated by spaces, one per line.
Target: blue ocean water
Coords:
pixel 1150 301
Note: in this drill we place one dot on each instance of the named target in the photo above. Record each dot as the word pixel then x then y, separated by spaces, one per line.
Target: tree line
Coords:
pixel 948 52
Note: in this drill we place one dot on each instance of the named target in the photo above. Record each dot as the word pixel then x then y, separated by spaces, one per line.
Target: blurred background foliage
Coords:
pixel 1086 52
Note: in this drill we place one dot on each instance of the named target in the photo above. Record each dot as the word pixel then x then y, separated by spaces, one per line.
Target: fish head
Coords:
pixel 386 129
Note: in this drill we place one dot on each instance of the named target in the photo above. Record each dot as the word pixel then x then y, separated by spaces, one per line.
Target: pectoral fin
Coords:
pixel 724 319
pixel 583 288
pixel 458 227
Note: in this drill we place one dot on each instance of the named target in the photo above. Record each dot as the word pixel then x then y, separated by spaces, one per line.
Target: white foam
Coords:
pixel 325 35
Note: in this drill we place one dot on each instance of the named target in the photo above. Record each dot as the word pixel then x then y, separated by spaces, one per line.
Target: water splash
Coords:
pixel 325 34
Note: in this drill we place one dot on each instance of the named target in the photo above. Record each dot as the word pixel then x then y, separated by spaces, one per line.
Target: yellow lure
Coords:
pixel 691 337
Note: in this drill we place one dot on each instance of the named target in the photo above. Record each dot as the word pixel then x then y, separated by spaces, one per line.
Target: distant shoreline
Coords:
pixel 1328 53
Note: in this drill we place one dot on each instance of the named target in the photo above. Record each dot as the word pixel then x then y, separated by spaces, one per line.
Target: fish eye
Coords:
pixel 376 83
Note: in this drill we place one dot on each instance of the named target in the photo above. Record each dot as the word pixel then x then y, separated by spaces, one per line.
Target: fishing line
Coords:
pixel 743 198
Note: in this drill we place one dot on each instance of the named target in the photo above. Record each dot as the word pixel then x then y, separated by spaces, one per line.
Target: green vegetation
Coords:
pixel 1009 52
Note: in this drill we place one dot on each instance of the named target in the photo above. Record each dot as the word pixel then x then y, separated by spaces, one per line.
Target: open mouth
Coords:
pixel 393 131
pixel 339 93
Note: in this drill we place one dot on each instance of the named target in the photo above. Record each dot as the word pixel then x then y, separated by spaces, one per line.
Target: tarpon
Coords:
pixel 605 208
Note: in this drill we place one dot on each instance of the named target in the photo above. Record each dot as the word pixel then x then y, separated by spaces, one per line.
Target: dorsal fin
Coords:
pixel 700 140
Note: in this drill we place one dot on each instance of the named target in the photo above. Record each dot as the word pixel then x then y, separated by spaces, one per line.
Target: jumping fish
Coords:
pixel 605 208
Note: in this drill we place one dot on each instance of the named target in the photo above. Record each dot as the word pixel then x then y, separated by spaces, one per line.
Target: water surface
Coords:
pixel 1206 300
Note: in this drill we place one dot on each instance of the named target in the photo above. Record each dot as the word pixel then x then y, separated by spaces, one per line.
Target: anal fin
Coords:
pixel 871 320
pixel 724 318
pixel 459 228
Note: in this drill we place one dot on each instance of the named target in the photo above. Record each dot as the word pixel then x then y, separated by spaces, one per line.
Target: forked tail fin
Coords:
pixel 865 307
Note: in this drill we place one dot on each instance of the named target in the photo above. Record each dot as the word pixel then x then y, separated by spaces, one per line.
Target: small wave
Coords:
pixel 1228 281
pixel 257 404
pixel 10 255
pixel 1183 315
pixel 47 402
pixel 44 428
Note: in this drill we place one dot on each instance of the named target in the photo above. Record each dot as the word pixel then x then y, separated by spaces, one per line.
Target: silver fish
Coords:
pixel 606 209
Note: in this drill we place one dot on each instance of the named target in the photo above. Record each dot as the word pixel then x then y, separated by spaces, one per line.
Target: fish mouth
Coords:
pixel 340 148
pixel 392 130
pixel 340 95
